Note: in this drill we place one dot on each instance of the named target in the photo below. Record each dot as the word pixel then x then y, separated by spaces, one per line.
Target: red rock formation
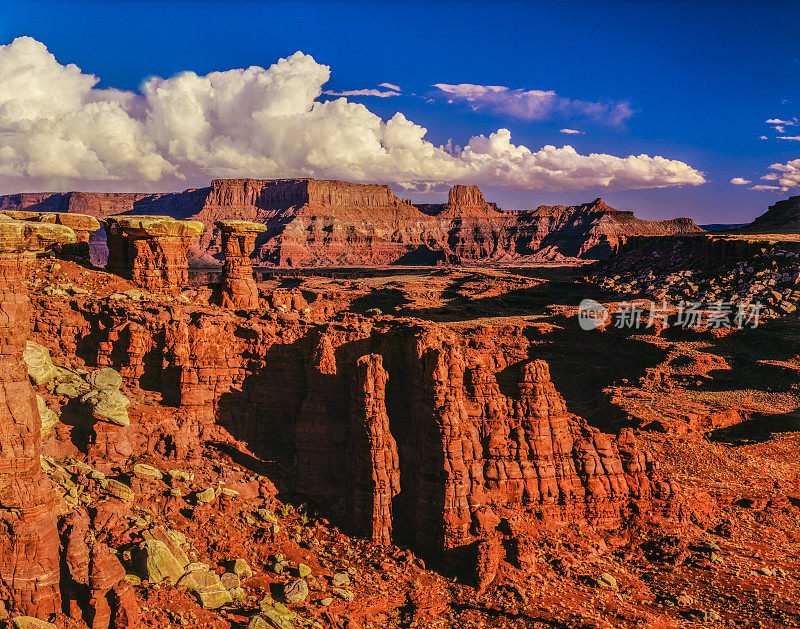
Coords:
pixel 782 217
pixel 463 202
pixel 110 595
pixel 325 223
pixel 465 449
pixel 238 285
pixel 373 458
pixel 151 250
pixel 29 554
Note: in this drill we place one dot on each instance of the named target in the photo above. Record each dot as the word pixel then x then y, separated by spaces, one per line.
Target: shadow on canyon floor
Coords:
pixel 758 429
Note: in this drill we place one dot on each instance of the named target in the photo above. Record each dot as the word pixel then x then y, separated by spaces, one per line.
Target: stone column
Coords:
pixel 29 543
pixel 373 460
pixel 238 285
pixel 151 250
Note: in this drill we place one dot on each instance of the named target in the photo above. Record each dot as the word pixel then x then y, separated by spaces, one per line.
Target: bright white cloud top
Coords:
pixel 59 132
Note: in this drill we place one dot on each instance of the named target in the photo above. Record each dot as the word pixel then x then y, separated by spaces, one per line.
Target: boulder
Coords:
pixel 119 490
pixel 40 366
pixel 295 591
pixel 105 379
pixel 208 588
pixel 156 563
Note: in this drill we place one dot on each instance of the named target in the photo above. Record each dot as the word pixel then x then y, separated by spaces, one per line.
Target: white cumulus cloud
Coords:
pixel 58 131
pixel 532 104
pixel 739 181
pixel 786 176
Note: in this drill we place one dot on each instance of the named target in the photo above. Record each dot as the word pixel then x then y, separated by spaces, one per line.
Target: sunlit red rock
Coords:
pixel 151 250
pixel 238 286
pixel 29 543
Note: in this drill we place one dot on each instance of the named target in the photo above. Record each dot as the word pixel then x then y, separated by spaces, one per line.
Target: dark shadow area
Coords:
pixel 563 288
pixel 758 429
pixel 423 255
pixel 78 417
pixel 583 363
pixel 386 299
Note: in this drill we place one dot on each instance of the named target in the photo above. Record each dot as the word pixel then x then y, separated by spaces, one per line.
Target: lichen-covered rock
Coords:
pixel 172 540
pixel 207 495
pixel 70 384
pixel 108 405
pixel 270 619
pixel 28 622
pixel 119 490
pixel 156 563
pixel 39 363
pixel 241 568
pixel 208 588
pixel 144 471
pixel 105 379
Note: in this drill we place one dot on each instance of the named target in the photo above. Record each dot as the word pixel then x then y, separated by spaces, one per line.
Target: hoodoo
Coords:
pixel 238 289
pixel 151 250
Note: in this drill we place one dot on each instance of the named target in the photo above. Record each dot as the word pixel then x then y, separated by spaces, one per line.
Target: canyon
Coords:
pixel 388 446
pixel 335 223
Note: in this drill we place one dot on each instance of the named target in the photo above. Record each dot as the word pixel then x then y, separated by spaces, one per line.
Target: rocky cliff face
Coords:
pixel 409 424
pixel 329 223
pixel 29 553
pixel 781 218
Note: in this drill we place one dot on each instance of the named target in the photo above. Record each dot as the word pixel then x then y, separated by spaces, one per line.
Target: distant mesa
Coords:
pixel 781 218
pixel 314 223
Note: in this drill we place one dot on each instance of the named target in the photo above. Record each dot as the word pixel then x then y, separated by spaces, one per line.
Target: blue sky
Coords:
pixel 701 78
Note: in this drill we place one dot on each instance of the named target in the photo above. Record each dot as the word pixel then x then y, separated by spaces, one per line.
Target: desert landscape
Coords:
pixel 390 445
pixel 399 315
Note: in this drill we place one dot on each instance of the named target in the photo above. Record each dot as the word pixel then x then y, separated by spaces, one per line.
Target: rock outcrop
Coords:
pixel 404 423
pixel 238 286
pixel 782 217
pixel 81 224
pixel 373 454
pixel 29 543
pixel 151 250
pixel 333 223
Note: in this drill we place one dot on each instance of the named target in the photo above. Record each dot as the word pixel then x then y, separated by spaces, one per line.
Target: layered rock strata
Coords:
pixel 328 223
pixel 81 224
pixel 373 457
pixel 238 286
pixel 29 543
pixel 151 250
pixel 423 433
